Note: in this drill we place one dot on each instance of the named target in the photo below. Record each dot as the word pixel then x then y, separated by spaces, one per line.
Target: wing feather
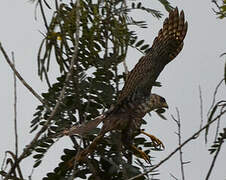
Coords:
pixel 166 46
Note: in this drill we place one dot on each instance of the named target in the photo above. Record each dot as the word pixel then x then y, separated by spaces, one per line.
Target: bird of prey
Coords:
pixel 127 119
pixel 136 99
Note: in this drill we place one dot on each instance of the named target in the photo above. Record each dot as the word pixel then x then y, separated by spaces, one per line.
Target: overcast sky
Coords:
pixel 197 64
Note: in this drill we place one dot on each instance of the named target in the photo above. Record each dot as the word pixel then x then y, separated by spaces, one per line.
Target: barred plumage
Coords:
pixel 136 99
pixel 166 46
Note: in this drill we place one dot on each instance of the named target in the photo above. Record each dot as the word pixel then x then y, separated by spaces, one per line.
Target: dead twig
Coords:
pixel 15 109
pixel 214 96
pixel 21 78
pixel 53 112
pixel 178 122
pixel 213 161
pixel 201 106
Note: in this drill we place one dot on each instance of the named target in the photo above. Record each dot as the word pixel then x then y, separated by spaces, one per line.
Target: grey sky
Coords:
pixel 197 64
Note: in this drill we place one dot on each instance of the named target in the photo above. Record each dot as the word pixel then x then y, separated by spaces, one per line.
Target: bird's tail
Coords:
pixel 85 128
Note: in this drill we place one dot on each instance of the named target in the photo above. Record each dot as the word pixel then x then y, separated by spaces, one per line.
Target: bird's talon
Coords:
pixel 156 142
pixel 141 154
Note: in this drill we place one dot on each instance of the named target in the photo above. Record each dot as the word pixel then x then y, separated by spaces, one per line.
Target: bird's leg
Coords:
pixel 141 154
pixel 82 154
pixel 157 143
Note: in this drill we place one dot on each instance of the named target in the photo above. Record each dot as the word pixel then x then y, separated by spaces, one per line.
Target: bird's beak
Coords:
pixel 165 105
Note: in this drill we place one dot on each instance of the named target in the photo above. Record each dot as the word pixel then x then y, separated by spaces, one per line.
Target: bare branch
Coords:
pixel 54 111
pixel 218 123
pixel 173 177
pixel 20 77
pixel 179 142
pixel 213 161
pixel 201 106
pixel 15 110
pixel 43 15
pixel 178 148
pixel 214 96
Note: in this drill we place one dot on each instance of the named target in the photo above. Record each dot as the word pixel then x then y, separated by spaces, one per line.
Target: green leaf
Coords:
pixel 139 5
pixel 37 164
pixel 40 150
pixel 144 47
pixel 38 156
pixel 33 129
pixel 44 145
pixel 148 144
pixel 139 43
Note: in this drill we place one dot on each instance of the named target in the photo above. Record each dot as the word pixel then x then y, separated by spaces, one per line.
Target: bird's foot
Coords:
pixel 156 142
pixel 141 154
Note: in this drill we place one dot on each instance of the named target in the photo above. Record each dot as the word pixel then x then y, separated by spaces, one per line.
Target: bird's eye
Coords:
pixel 162 99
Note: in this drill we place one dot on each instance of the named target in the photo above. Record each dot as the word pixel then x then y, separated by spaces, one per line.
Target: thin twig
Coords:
pixel 201 106
pixel 214 160
pixel 178 148
pixel 214 96
pixel 179 142
pixel 215 2
pixel 15 110
pixel 14 158
pixel 173 177
pixel 218 124
pixel 21 78
pixel 3 166
pixel 53 113
pixel 43 15
pixel 76 45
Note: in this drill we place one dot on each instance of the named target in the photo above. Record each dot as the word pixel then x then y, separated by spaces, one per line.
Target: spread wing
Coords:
pixel 166 46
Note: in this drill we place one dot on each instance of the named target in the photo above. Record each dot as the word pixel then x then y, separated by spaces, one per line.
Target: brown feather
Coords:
pixel 166 46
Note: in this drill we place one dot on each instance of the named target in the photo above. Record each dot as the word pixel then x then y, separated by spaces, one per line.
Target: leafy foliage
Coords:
pixel 217 144
pixel 221 12
pixel 94 86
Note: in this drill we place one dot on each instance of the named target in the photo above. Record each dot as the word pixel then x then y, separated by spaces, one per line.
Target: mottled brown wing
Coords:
pixel 166 46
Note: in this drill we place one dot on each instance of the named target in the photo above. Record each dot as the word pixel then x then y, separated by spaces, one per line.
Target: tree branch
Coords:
pixel 15 110
pixel 179 142
pixel 213 161
pixel 21 78
pixel 55 109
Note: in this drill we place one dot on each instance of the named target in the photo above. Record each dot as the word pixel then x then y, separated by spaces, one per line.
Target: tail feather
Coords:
pixel 85 128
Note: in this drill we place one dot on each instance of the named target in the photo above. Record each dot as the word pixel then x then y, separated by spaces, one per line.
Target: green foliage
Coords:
pixel 166 4
pixel 94 85
pixel 139 5
pixel 221 9
pixel 218 143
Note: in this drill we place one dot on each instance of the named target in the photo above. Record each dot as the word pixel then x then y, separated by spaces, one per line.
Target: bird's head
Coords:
pixel 157 102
